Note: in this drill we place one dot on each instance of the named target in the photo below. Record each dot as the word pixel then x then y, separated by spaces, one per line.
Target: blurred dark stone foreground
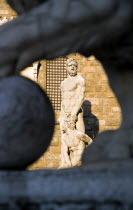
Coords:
pixel 26 122
pixel 98 187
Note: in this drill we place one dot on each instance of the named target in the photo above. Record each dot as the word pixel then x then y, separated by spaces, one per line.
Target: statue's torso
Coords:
pixel 70 93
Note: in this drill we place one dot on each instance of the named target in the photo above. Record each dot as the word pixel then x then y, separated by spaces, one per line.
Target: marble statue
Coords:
pixel 3 20
pixel 73 137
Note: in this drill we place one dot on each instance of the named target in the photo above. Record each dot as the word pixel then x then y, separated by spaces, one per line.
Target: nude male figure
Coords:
pixel 73 90
pixel 71 118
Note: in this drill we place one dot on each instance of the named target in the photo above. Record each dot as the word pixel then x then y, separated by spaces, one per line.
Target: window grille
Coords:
pixel 55 74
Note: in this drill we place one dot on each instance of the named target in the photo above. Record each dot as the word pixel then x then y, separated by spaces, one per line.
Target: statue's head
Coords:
pixel 72 67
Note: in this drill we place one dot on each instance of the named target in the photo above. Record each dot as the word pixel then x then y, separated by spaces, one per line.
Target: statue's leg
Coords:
pixel 116 145
pixel 77 154
pixel 80 123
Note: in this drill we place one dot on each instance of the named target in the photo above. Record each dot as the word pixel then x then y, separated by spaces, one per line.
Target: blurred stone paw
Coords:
pixel 26 122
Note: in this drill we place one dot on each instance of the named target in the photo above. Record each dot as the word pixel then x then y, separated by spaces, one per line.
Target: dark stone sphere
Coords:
pixel 26 122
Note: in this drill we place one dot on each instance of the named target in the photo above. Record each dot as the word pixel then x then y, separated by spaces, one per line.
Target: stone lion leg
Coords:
pixel 116 145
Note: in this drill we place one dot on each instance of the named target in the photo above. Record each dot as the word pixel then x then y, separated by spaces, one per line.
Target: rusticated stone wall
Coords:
pixel 101 110
pixel 104 104
pixel 5 10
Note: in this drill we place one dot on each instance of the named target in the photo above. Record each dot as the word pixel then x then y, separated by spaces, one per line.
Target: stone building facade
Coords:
pixel 101 109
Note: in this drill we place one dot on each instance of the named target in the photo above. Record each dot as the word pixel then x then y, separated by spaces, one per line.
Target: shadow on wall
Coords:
pixel 90 120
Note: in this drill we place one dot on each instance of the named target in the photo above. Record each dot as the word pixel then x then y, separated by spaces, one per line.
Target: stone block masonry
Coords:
pixel 103 111
pixel 5 10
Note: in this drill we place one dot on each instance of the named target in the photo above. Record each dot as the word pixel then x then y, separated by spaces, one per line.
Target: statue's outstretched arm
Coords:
pixel 56 28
